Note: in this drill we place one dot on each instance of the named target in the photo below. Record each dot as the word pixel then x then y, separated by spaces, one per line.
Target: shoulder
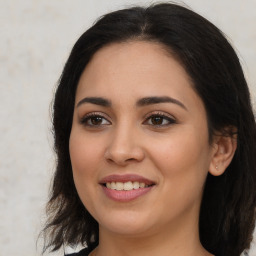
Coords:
pixel 83 252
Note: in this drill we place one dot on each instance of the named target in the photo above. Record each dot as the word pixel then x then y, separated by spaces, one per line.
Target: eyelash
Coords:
pixel 89 117
pixel 165 117
pixel 171 120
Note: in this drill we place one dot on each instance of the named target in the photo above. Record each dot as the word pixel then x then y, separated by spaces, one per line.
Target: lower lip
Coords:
pixel 125 195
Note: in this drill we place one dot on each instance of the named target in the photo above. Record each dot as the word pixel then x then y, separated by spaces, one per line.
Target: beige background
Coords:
pixel 36 38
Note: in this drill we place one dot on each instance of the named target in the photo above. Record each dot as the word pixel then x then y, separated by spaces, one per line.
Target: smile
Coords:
pixel 126 185
pixel 124 188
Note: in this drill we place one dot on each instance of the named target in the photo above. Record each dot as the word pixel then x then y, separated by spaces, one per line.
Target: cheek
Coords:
pixel 86 158
pixel 85 153
pixel 183 173
pixel 183 161
pixel 180 152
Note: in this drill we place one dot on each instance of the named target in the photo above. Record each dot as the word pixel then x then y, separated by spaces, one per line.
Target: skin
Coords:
pixel 124 139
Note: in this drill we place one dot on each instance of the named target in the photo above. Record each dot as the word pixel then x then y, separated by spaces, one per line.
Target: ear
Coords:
pixel 224 147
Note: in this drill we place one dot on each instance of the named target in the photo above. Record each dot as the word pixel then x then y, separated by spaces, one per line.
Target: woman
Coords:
pixel 155 140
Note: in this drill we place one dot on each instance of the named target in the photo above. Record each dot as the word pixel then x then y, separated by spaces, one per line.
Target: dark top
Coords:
pixel 86 251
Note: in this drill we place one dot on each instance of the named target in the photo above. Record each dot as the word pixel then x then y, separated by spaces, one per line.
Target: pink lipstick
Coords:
pixel 124 188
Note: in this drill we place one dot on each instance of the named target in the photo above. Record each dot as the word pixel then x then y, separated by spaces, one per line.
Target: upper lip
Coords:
pixel 126 178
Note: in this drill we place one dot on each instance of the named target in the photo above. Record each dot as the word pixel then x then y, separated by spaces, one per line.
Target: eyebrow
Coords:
pixel 140 103
pixel 156 100
pixel 95 100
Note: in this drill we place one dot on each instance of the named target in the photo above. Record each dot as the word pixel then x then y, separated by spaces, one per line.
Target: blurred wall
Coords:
pixel 36 38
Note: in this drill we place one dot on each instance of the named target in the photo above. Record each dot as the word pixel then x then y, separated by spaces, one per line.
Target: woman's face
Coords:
pixel 139 143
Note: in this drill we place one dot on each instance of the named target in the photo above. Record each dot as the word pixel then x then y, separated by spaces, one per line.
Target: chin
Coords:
pixel 126 224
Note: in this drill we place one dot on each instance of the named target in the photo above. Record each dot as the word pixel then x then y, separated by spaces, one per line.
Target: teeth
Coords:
pixel 136 185
pixel 125 185
pixel 128 185
pixel 113 185
pixel 119 186
pixel 142 185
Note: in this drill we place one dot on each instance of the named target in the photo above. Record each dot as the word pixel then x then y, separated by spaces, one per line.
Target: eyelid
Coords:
pixel 160 113
pixel 163 114
pixel 93 114
pixel 171 118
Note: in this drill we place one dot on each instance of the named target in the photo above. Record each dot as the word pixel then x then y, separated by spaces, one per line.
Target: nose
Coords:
pixel 124 147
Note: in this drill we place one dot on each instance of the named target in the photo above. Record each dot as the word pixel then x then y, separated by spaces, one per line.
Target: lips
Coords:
pixel 126 187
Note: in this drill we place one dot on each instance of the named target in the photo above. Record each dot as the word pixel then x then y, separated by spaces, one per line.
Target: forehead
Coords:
pixel 136 69
pixel 141 55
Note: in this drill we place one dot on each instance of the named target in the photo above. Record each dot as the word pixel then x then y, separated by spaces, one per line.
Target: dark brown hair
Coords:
pixel 227 212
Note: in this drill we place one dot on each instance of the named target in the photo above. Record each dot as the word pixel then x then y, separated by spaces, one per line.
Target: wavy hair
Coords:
pixel 227 213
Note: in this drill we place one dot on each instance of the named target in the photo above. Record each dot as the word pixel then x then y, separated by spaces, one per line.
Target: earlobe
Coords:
pixel 223 152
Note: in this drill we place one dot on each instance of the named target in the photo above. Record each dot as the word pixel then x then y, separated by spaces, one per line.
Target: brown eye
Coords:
pixel 157 120
pixel 96 120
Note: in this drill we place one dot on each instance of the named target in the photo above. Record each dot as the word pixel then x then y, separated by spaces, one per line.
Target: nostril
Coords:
pixel 124 155
pixel 119 159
